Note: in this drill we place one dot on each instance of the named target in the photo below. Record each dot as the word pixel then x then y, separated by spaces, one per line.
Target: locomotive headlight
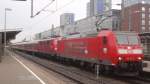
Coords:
pixel 139 58
pixel 120 58
pixel 137 51
pixel 86 51
pixel 55 49
pixel 122 51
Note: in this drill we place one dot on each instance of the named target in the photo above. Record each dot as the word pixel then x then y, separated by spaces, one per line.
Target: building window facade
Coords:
pixel 143 28
pixel 132 2
pixel 143 15
pixel 143 9
pixel 143 2
pixel 143 22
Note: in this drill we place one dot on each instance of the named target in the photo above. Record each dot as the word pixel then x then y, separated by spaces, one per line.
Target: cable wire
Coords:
pixel 46 17
pixel 43 8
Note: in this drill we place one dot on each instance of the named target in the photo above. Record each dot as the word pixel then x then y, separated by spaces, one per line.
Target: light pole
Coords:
pixel 5 37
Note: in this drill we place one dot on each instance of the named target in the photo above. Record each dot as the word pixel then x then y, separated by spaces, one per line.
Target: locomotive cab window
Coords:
pixel 122 39
pixel 133 40
pixel 104 39
pixel 127 39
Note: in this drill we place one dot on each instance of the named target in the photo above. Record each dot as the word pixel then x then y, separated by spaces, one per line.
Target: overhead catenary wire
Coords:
pixel 43 8
pixel 46 17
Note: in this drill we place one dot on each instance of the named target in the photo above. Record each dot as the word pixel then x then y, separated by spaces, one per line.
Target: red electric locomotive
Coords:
pixel 117 51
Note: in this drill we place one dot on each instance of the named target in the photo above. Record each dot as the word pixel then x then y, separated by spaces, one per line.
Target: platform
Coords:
pixel 12 72
pixel 10 34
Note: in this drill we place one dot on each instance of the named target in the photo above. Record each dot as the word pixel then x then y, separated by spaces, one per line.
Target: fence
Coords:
pixel 145 40
pixel 1 47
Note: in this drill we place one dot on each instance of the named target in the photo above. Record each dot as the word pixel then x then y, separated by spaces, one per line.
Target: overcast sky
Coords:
pixel 19 17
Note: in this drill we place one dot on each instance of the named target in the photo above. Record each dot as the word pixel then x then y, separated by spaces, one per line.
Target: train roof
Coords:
pixel 75 36
pixel 27 42
pixel 44 39
pixel 94 34
pixel 33 42
pixel 125 32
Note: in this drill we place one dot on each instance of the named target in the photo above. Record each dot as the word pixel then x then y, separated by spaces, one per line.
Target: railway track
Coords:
pixel 82 77
pixel 136 80
pixel 69 72
pixel 142 79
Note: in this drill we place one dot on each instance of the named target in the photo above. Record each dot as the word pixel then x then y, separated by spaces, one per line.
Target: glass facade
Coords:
pixel 132 2
pixel 99 6
pixel 99 9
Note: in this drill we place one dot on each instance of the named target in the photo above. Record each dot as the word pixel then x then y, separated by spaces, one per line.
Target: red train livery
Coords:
pixel 119 51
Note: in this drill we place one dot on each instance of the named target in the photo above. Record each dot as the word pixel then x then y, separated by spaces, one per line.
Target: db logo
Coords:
pixel 105 50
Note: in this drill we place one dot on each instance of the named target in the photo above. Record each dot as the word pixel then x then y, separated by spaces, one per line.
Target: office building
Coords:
pixel 66 18
pixel 136 16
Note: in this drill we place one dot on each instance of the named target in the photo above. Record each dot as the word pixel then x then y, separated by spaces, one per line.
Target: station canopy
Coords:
pixel 10 34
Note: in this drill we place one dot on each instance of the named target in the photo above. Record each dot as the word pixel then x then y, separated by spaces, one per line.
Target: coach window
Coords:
pixel 104 40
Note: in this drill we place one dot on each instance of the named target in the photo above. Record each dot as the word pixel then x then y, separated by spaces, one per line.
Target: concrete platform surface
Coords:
pixel 12 72
pixel 39 74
